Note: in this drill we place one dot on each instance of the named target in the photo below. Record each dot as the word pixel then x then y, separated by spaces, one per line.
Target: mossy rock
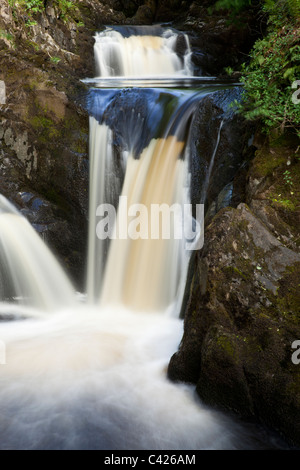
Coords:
pixel 222 380
pixel 273 191
pixel 241 322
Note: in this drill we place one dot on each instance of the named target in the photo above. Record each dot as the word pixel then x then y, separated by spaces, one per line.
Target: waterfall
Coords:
pixel 141 54
pixel 146 271
pixel 93 376
pixel 100 159
pixel 29 273
pixel 211 166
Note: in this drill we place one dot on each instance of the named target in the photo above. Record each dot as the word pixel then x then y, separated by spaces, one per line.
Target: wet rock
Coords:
pixel 129 7
pixel 171 9
pixel 218 144
pixel 241 321
pixel 273 184
pixel 222 43
pixel 242 310
pixel 145 14
pixel 43 131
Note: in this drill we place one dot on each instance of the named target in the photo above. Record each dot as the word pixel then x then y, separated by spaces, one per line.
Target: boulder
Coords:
pixel 242 315
pixel 219 147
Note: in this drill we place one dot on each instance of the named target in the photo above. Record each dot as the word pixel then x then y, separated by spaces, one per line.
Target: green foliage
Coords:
pixel 55 60
pixel 281 11
pixel 65 7
pixel 31 23
pixel 5 35
pixel 34 45
pixel 274 63
pixel 45 127
pixel 229 71
pixel 288 177
pixel 273 67
pixel 234 6
pixel 278 10
pixel 268 78
pixel 35 6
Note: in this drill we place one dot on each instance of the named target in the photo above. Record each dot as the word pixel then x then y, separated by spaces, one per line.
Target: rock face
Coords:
pixel 43 129
pixel 242 315
pixel 219 144
pixel 216 42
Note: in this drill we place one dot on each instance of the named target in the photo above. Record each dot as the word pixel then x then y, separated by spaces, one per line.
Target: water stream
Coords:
pixel 91 374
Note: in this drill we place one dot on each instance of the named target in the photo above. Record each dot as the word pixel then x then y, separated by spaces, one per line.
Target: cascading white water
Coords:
pixel 149 270
pixel 100 159
pixel 146 272
pixel 139 55
pixel 94 376
pixel 82 380
pixel 29 273
pixel 211 165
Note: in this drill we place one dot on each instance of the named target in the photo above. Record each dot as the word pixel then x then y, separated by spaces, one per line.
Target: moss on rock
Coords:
pixel 239 330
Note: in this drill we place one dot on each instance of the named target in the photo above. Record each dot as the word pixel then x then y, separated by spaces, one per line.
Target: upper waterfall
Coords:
pixel 146 52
